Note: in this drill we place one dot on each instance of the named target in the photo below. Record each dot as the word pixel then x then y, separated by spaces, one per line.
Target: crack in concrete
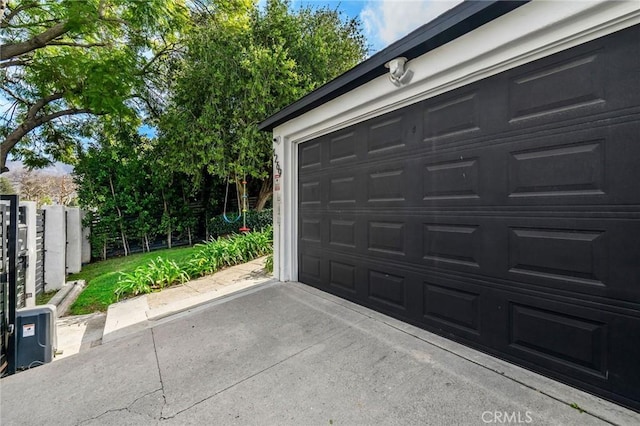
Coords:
pixel 261 371
pixel 116 410
pixel 155 350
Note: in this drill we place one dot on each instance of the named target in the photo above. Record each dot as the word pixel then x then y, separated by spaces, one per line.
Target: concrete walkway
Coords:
pixel 80 333
pixel 285 353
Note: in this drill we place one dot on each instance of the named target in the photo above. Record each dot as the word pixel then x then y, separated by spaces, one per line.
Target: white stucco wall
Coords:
pixel 533 31
pixel 55 242
pixel 73 256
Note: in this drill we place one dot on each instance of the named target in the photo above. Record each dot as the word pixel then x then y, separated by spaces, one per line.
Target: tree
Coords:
pixel 131 194
pixel 63 62
pixel 241 65
pixel 5 186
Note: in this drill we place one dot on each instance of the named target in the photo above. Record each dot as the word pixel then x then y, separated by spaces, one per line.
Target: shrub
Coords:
pixel 255 221
pixel 159 273
pixel 268 263
pixel 210 257
pixel 228 251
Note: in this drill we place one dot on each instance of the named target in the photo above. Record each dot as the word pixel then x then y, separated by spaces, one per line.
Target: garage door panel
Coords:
pixel 589 80
pixel 310 193
pixel 342 148
pixel 310 268
pixel 387 237
pixel 590 257
pixel 342 275
pixel 554 86
pixel 450 245
pixel 450 116
pixel 596 346
pixel 560 170
pixel 576 342
pixel 587 167
pixel 451 179
pixel 311 229
pixel 597 257
pixel 452 307
pixel 390 289
pixel 310 156
pixel 571 255
pixel 342 233
pixel 505 214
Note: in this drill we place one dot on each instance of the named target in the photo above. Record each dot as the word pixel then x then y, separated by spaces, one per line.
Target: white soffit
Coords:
pixel 536 30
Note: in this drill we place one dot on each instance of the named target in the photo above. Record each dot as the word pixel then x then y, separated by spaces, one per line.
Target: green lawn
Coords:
pixel 102 277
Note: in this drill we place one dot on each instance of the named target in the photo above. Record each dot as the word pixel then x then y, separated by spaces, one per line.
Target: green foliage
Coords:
pixel 268 263
pixel 241 65
pixel 44 298
pixel 206 259
pixel 159 273
pixel 102 277
pixel 229 251
pixel 6 188
pixel 134 197
pixel 255 220
pixel 65 61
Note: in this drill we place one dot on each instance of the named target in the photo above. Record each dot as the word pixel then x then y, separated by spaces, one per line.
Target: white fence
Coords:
pixel 64 249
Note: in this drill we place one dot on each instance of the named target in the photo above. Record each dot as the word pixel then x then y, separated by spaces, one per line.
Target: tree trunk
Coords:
pixel 184 200
pixel 266 191
pixel 166 212
pixel 122 234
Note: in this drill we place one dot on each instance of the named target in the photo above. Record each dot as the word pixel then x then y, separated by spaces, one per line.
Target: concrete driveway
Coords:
pixel 289 354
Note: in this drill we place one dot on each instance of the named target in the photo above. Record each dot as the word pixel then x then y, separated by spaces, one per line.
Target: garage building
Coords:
pixel 487 190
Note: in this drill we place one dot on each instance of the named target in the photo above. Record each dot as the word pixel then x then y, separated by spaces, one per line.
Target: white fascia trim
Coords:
pixel 533 31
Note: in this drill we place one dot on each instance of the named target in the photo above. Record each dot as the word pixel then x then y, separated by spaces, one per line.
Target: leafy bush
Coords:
pixel 159 273
pixel 207 259
pixel 255 220
pixel 229 251
pixel 268 263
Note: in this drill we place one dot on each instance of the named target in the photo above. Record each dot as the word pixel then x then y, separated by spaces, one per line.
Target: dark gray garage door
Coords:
pixel 505 215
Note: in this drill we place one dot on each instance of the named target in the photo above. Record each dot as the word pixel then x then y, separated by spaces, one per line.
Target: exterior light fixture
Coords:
pixel 398 75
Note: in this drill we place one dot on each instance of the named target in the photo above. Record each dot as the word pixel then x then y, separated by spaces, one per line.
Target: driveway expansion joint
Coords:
pixel 332 335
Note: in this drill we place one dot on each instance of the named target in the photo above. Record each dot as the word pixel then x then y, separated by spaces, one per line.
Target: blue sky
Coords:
pixel 386 21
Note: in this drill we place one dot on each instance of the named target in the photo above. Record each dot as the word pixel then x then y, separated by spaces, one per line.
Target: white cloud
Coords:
pixel 386 21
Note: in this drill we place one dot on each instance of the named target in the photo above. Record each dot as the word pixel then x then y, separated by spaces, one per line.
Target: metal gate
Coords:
pixel 13 264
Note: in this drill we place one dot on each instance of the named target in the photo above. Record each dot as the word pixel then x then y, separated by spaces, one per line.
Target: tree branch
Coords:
pixel 9 16
pixel 13 63
pixel 14 95
pixel 12 50
pixel 71 111
pixel 158 55
pixel 73 44
pixel 30 123
pixel 33 110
